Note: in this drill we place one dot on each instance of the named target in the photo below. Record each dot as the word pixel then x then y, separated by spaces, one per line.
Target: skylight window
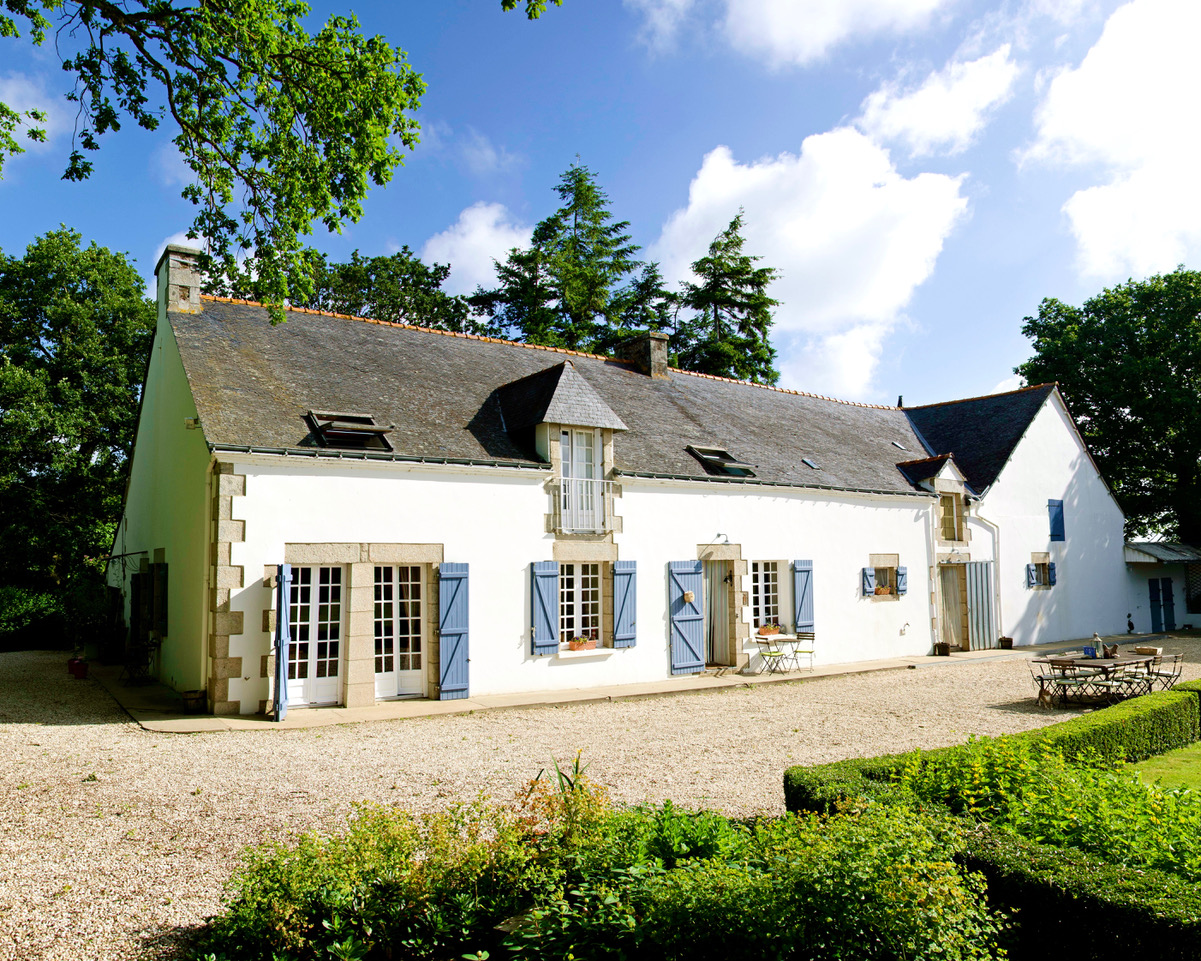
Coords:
pixel 899 446
pixel 348 431
pixel 718 461
pixel 809 463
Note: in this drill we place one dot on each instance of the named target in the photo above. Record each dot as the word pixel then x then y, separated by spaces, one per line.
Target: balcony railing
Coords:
pixel 582 505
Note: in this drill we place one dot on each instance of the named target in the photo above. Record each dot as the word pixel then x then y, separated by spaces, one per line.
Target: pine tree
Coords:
pixel 560 291
pixel 727 335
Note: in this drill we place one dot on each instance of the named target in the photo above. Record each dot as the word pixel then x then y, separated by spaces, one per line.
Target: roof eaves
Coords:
pixel 328 453
pixel 759 482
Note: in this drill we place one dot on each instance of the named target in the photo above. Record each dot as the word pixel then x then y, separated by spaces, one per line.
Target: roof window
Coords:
pixel 809 463
pixel 899 446
pixel 718 461
pixel 348 431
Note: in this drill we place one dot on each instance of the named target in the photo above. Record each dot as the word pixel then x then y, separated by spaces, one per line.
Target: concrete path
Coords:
pixel 157 708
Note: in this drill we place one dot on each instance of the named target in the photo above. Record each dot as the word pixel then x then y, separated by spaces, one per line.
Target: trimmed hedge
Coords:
pixel 1070 906
pixel 1136 729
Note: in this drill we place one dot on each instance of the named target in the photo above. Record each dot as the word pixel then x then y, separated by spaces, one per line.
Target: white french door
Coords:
pixel 315 629
pixel 582 497
pixel 398 632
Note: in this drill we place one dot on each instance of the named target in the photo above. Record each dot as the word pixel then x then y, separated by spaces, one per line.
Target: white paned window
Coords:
pixel 329 621
pixel 315 616
pixel 765 592
pixel 397 619
pixel 579 602
pixel 578 451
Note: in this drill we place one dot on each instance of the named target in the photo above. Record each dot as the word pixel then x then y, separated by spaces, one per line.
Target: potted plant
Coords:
pixel 767 630
pixel 883 590
pixel 1006 643
pixel 942 649
pixel 581 644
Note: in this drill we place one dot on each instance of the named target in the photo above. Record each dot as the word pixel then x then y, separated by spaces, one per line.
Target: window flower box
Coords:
pixel 581 644
pixel 883 590
pixel 767 630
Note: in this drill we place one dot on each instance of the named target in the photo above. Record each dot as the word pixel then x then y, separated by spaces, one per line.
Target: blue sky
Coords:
pixel 921 172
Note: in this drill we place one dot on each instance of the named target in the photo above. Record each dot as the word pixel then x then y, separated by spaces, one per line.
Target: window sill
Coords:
pixel 595 652
pixel 884 597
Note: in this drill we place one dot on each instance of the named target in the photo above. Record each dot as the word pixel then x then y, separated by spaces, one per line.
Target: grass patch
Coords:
pixel 1179 768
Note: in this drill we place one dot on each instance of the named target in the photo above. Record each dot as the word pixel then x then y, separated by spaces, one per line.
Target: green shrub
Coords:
pixel 1034 791
pixel 876 884
pixel 28 615
pixel 1133 730
pixel 1072 906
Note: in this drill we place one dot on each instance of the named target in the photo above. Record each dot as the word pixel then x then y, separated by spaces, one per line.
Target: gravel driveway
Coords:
pixel 115 842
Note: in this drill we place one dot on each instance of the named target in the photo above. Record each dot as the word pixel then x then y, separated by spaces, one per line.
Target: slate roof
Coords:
pixel 921 470
pixel 557 395
pixel 253 384
pixel 982 431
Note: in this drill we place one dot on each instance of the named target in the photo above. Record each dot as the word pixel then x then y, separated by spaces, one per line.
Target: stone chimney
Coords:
pixel 178 276
pixel 646 351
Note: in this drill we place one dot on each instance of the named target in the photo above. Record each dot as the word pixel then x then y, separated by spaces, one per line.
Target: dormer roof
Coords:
pixel 556 395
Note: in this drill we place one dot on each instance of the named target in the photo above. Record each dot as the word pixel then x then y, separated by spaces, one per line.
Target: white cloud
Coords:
pixel 1009 383
pixel 661 19
pixel 22 92
pixel 802 31
pixel 168 166
pixel 1127 110
pixel 483 233
pixel 851 237
pixel 947 111
pixel 482 157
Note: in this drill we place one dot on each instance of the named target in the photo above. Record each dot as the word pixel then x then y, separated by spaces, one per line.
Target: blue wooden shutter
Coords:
pixel 1031 575
pixel 1051 574
pixel 283 618
pixel 802 595
pixel 1055 509
pixel 544 607
pixel 869 581
pixel 625 603
pixel 687 617
pixel 902 580
pixel 1169 606
pixel 452 631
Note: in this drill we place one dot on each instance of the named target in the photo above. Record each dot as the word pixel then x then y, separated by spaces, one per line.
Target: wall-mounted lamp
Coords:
pixel 689 597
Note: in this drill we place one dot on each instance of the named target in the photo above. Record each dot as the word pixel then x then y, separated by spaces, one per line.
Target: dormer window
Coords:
pixel 950 508
pixel 718 461
pixel 348 431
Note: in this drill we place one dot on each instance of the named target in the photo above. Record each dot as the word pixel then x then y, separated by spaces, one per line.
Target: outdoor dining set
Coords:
pixel 1103 675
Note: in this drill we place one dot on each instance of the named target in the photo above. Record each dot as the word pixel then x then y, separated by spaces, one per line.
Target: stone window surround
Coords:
pixel 359 560
pixel 947 486
pixel 571 551
pixel 554 456
pixel 890 562
pixel 1041 560
pixel 738 630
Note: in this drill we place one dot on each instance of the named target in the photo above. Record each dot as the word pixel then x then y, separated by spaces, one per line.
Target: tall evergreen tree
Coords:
pixel 559 292
pixel 727 335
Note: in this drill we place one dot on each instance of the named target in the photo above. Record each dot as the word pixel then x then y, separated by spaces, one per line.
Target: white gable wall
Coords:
pixel 166 509
pixel 1050 463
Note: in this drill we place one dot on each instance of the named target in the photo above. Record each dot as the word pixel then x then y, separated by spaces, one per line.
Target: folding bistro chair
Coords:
pixel 1166 673
pixel 804 646
pixel 775 660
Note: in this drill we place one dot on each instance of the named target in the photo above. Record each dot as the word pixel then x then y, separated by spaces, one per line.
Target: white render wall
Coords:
pixel 493 519
pixel 1050 463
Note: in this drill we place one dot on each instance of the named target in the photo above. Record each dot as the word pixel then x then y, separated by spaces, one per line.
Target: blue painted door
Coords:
pixel 1156 612
pixel 452 631
pixel 687 616
pixel 1169 604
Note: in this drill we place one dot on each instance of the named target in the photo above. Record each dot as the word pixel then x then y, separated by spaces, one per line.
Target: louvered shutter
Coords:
pixel 283 618
pixel 452 631
pixel 1051 574
pixel 1055 509
pixel 902 580
pixel 687 617
pixel 1031 575
pixel 1169 606
pixel 869 581
pixel 802 595
pixel 625 603
pixel 544 608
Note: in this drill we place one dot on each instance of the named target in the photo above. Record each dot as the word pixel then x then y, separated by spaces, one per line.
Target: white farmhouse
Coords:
pixel 456 510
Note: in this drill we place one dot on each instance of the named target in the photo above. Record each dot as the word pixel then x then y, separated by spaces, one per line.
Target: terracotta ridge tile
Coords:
pixel 964 400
